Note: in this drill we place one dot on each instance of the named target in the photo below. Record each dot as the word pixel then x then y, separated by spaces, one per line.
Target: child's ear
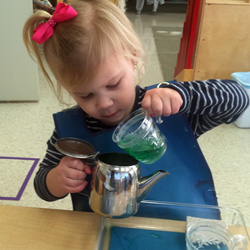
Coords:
pixel 134 60
pixel 134 64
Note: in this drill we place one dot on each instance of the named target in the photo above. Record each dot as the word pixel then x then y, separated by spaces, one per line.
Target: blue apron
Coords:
pixel 190 179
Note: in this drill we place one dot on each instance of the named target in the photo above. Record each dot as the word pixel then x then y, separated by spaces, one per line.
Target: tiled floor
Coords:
pixel 25 128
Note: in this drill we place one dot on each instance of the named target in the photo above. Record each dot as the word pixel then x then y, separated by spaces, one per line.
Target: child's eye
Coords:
pixel 86 96
pixel 113 86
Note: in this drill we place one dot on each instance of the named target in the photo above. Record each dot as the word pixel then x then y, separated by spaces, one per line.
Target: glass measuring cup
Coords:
pixel 209 236
pixel 139 136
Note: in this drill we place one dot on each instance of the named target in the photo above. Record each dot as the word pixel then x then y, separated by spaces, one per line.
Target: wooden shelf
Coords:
pixel 223 41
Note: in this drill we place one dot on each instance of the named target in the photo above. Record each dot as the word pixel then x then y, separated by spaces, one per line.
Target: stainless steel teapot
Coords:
pixel 117 187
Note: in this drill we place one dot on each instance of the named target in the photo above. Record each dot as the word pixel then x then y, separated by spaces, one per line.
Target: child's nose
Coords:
pixel 104 102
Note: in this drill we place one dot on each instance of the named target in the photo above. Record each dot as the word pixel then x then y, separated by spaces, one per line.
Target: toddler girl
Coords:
pixel 94 53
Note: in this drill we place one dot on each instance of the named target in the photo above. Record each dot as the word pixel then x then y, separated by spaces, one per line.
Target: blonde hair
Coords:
pixel 79 46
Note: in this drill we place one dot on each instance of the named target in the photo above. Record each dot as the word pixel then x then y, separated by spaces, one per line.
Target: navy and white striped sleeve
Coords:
pixel 51 160
pixel 210 103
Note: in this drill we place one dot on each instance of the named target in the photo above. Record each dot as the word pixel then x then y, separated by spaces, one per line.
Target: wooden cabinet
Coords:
pixel 222 43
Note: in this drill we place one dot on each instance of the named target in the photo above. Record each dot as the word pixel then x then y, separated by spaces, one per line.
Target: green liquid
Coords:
pixel 146 152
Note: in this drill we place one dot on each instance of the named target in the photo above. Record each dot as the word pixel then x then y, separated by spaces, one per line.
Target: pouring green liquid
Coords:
pixel 146 152
pixel 139 136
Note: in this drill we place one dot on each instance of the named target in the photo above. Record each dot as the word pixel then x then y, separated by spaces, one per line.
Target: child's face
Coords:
pixel 110 96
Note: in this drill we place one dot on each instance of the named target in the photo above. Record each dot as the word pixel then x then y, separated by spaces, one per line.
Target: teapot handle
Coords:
pixel 91 160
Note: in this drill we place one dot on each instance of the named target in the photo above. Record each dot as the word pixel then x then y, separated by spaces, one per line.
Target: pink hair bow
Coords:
pixel 44 31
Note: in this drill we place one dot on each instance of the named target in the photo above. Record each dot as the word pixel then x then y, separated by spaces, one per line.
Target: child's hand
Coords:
pixel 162 101
pixel 71 174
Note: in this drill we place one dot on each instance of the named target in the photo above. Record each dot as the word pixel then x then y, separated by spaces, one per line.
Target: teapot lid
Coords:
pixel 76 148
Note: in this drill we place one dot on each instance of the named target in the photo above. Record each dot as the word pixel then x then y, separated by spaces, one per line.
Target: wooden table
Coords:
pixel 26 228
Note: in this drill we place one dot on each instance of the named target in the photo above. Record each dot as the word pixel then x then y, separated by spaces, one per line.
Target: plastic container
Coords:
pixel 244 79
pixel 139 136
pixel 164 225
pixel 211 235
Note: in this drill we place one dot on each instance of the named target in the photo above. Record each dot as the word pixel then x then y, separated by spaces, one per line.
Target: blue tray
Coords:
pixel 143 239
pixel 159 232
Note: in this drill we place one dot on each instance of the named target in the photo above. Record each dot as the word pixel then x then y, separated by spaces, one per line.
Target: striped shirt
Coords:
pixel 206 104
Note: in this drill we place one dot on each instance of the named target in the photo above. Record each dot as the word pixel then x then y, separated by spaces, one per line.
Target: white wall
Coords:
pixel 18 73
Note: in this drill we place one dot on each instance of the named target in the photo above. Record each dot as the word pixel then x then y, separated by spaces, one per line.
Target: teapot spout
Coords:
pixel 146 183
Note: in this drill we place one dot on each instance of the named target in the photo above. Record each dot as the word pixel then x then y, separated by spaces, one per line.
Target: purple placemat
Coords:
pixel 33 163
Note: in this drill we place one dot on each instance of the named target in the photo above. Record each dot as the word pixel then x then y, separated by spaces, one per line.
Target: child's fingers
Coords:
pixel 156 105
pixel 175 107
pixel 167 109
pixel 84 185
pixel 170 106
pixel 75 174
pixel 87 169
pixel 77 164
pixel 76 188
pixel 146 103
pixel 176 103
